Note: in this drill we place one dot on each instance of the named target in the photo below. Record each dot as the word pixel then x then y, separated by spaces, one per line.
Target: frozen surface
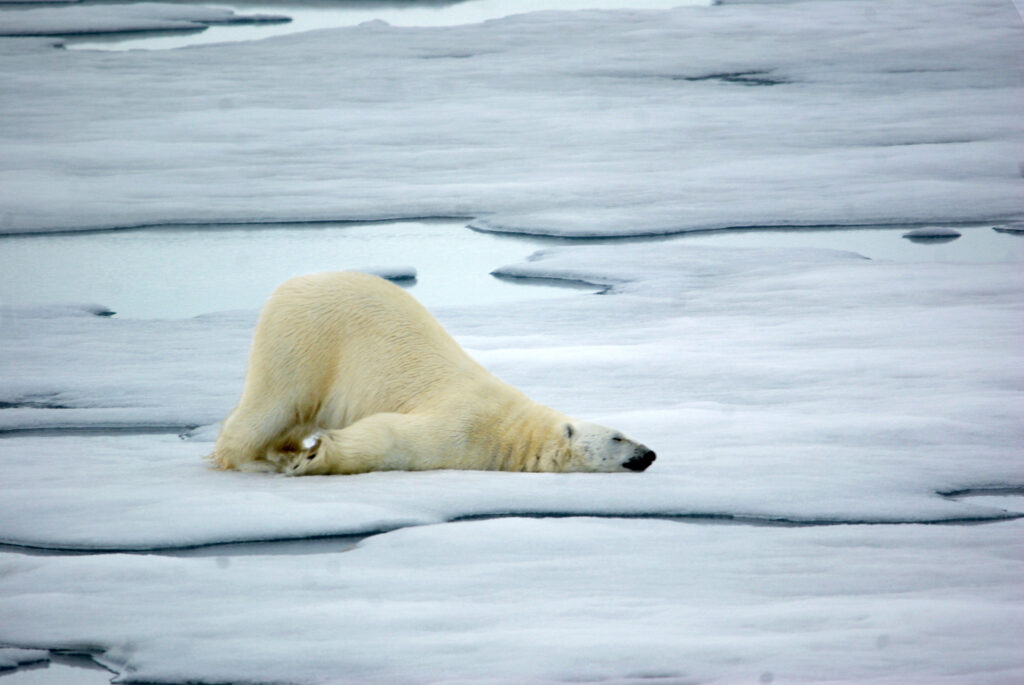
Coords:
pixel 120 19
pixel 11 657
pixel 777 385
pixel 805 385
pixel 801 385
pixel 979 244
pixel 518 600
pixel 60 669
pixel 1014 228
pixel 576 123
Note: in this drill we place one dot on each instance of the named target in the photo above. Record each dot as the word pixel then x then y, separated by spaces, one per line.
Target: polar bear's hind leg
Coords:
pixel 253 436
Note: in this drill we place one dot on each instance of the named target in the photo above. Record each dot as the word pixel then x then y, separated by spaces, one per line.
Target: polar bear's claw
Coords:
pixel 305 461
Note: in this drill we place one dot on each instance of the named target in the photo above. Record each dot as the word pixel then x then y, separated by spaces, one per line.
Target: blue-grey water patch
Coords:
pixel 187 271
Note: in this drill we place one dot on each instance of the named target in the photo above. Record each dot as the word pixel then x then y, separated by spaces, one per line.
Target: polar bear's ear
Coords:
pixel 569 431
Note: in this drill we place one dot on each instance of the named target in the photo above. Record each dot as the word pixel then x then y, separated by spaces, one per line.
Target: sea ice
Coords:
pixel 799 385
pixel 567 123
pixel 144 16
pixel 808 386
pixel 519 600
pixel 1016 228
pixel 12 657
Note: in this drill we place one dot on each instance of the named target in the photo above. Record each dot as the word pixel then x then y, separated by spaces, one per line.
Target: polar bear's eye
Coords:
pixel 617 438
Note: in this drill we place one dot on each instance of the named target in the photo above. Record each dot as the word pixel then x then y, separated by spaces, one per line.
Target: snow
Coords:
pixel 518 600
pixel 567 123
pixel 146 16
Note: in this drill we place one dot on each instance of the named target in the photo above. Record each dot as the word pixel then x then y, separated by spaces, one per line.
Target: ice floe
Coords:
pixel 12 657
pixel 518 600
pixel 566 123
pixel 127 18
pixel 813 387
pixel 785 385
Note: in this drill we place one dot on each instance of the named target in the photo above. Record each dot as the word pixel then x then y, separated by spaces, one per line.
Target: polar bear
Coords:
pixel 348 373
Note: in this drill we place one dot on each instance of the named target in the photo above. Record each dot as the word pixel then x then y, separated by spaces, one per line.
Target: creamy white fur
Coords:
pixel 349 373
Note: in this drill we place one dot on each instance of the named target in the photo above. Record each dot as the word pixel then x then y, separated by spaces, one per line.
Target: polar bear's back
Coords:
pixel 357 339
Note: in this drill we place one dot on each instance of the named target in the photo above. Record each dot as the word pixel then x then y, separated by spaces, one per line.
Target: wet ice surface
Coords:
pixel 114 268
pixel 207 269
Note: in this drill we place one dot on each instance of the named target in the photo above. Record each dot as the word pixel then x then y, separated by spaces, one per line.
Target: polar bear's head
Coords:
pixel 596 448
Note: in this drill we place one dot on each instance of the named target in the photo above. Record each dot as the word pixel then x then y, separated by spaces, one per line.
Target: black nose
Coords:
pixel 642 462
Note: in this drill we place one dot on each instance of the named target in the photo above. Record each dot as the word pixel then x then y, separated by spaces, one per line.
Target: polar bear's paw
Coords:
pixel 311 460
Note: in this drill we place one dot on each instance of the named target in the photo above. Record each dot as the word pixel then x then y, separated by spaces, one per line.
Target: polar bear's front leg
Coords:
pixel 380 442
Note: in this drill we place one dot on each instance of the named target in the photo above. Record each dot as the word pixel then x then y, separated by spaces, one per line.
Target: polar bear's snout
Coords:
pixel 598 448
pixel 644 458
